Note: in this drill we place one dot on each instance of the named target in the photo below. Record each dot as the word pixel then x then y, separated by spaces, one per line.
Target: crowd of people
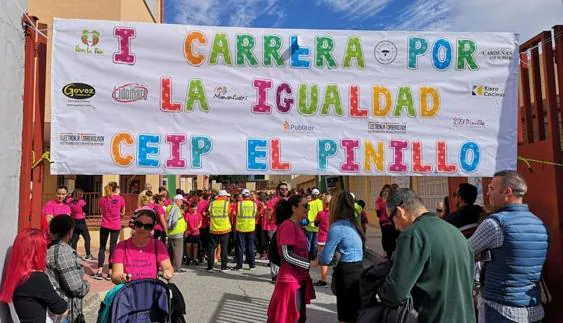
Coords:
pixel 465 266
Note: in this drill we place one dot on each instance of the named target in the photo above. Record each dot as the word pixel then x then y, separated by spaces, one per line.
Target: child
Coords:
pixel 193 218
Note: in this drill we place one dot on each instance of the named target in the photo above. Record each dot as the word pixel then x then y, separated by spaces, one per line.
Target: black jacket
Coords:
pixel 373 309
pixel 466 219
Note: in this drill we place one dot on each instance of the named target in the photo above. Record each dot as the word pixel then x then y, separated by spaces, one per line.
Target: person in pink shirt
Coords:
pixel 77 204
pixel 112 207
pixel 141 256
pixel 323 222
pixel 203 210
pixel 157 204
pixel 162 191
pixel 57 206
pixel 192 235
pixel 269 222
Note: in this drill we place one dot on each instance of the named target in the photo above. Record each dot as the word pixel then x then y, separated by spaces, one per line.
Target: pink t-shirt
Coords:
pixel 55 208
pixel 381 210
pixel 291 234
pixel 270 225
pixel 167 202
pixel 324 225
pixel 193 220
pixel 160 212
pixel 76 211
pixel 140 262
pixel 202 209
pixel 110 207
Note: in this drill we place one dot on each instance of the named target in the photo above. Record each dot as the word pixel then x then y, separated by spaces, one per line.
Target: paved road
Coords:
pixel 238 297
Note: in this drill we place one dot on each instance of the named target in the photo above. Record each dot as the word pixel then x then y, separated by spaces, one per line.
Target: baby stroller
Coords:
pixel 145 300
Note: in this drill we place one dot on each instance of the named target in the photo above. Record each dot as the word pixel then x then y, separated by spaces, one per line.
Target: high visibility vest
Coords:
pixel 181 226
pixel 246 219
pixel 315 207
pixel 219 216
pixel 357 210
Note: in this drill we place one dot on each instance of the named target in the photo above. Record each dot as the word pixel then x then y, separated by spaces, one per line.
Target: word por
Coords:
pixel 146 150
pixel 442 53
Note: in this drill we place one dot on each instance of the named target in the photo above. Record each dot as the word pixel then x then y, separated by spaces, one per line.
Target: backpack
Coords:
pixel 273 254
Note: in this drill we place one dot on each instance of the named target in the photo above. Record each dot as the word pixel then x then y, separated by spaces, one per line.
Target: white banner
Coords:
pixel 136 98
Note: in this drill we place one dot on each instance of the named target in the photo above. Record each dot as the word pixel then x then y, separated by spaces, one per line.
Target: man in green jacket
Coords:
pixel 433 263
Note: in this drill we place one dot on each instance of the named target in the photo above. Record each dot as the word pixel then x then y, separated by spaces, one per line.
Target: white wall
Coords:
pixel 11 111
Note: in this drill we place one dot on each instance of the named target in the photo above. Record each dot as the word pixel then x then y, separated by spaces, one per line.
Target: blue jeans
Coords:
pixel 312 242
pixel 493 316
pixel 245 246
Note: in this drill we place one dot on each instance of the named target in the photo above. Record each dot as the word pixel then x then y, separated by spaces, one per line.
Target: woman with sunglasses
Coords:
pixel 141 256
pixel 294 287
pixel 346 237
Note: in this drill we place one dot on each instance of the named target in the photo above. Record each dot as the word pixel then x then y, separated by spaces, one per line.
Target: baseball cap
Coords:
pixel 223 193
pixel 180 197
pixel 315 192
pixel 246 192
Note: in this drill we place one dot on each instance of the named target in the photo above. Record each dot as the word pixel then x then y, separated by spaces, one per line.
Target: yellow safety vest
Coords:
pixel 181 226
pixel 219 214
pixel 246 216
pixel 315 207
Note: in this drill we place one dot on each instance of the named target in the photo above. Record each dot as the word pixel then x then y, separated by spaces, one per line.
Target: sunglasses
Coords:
pixel 145 226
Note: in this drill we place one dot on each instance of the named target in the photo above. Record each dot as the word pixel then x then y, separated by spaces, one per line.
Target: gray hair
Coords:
pixel 515 181
pixel 405 198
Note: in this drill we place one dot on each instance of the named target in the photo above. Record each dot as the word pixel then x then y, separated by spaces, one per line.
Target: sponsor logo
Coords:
pixel 89 40
pixel 297 128
pixel 222 93
pixel 468 123
pixel 130 92
pixel 385 52
pixel 81 139
pixel 489 91
pixel 497 55
pixel 387 127
pixel 78 91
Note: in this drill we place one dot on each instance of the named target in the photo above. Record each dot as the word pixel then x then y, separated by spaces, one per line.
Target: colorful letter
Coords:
pixel 124 36
pixel 465 50
pixel 469 156
pixel 245 45
pixel 166 103
pixel 261 105
pixel 296 53
pixel 311 108
pixel 417 165
pixel 427 110
pixel 147 151
pixel 220 47
pixel 355 110
pixel 324 47
pixel 256 148
pixel 191 57
pixel 372 156
pixel 397 166
pixel 443 166
pixel 176 141
pixel 275 152
pixel 379 91
pixel 417 47
pixel 404 100
pixel 116 155
pixel 287 99
pixel 325 150
pixel 354 50
pixel 349 146
pixel 201 146
pixel 332 98
pixel 196 93
pixel 437 61
pixel 272 45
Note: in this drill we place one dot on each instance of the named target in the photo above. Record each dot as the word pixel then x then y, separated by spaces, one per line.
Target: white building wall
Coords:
pixel 11 110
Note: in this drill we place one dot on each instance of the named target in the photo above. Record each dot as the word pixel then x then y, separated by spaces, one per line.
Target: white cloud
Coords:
pixel 238 13
pixel 424 15
pixel 355 9
pixel 520 16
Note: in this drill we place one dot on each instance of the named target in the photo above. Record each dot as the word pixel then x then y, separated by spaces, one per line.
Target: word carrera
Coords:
pixel 198 49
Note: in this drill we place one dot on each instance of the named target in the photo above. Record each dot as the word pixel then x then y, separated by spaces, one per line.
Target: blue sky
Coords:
pixel 527 17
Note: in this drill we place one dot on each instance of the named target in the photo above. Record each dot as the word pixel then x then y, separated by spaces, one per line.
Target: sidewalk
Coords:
pixel 98 288
pixel 373 243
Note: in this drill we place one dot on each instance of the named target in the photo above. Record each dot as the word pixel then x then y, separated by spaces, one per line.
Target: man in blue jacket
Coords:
pixel 517 241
